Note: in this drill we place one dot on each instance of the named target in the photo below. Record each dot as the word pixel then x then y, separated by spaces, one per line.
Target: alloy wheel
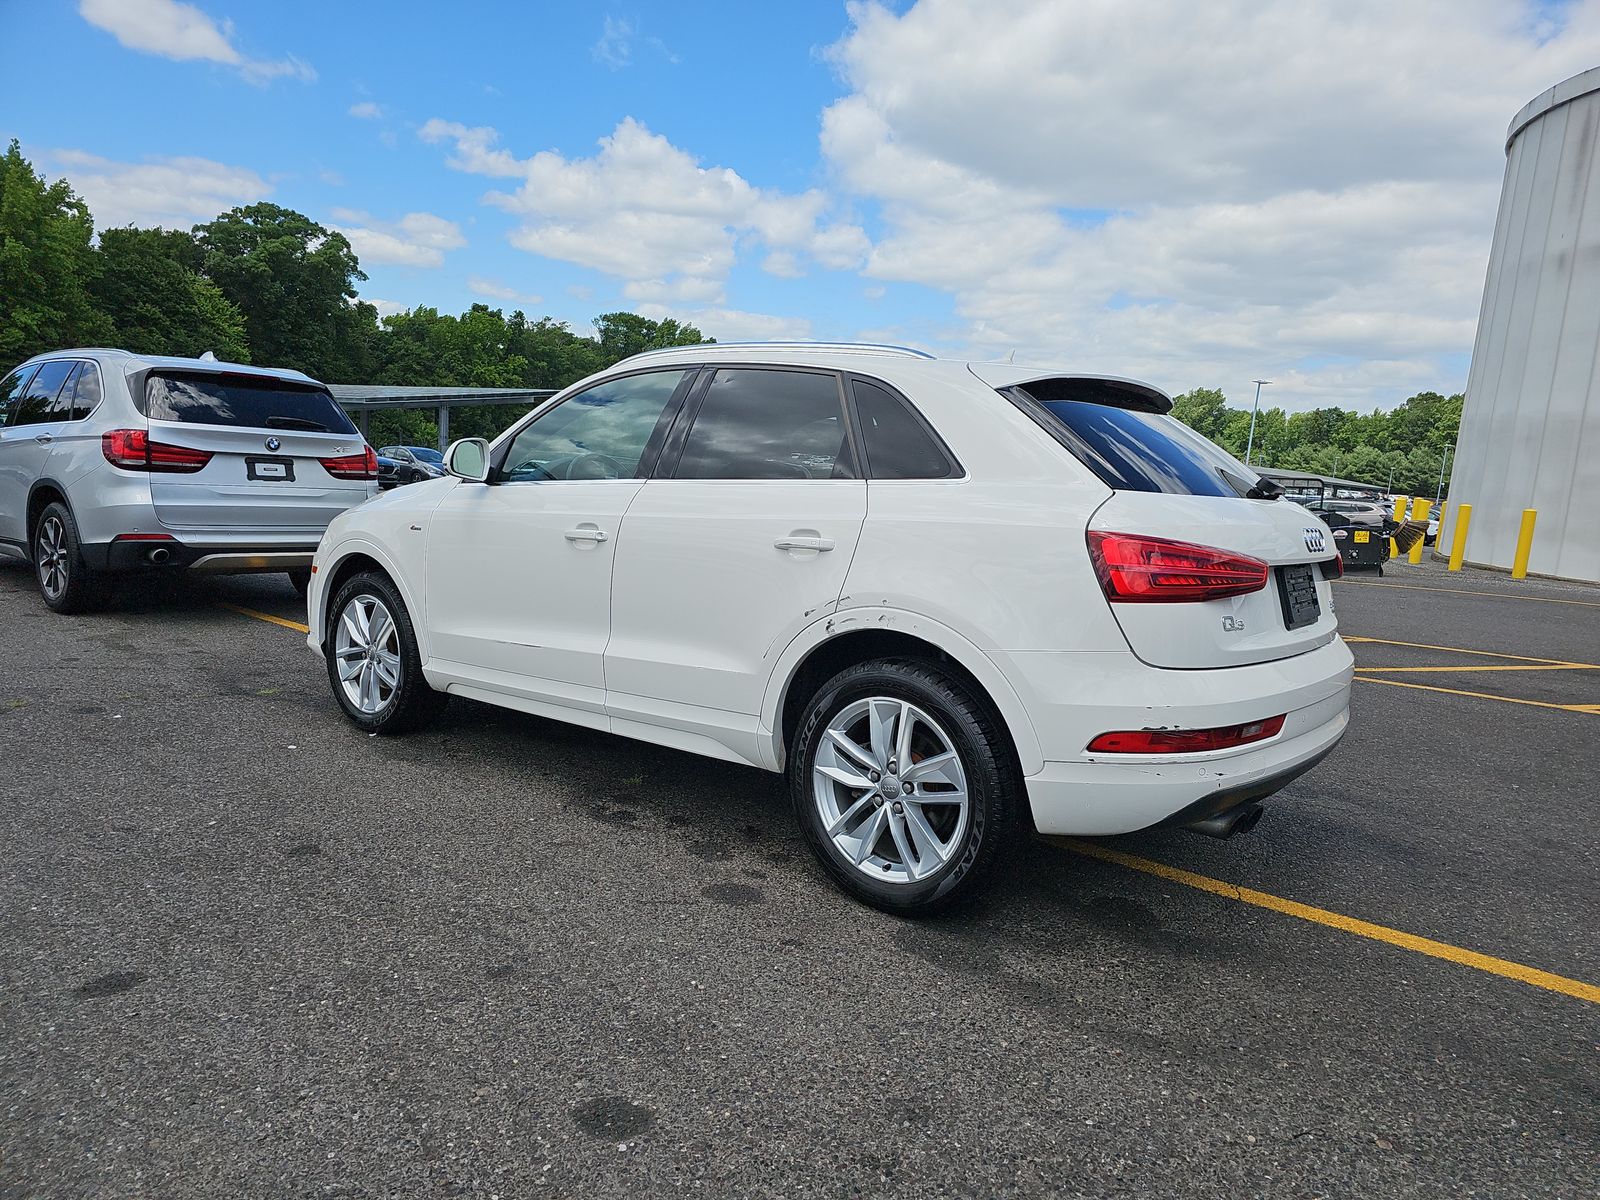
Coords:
pixel 367 651
pixel 891 789
pixel 51 557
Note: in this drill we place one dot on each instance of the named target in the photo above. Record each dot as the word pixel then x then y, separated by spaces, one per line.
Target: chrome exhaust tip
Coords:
pixel 1228 824
pixel 159 555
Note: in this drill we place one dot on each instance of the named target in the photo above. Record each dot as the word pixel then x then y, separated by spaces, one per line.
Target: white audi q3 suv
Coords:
pixel 950 600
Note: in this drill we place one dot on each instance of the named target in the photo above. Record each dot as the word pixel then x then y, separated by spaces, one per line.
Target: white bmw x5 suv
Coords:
pixel 950 600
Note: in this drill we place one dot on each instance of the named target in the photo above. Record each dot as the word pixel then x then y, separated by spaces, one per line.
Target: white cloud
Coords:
pixel 417 239
pixel 733 325
pixel 1312 195
pixel 366 110
pixel 491 289
pixel 645 211
pixel 182 32
pixel 171 192
pixel 387 308
pixel 615 47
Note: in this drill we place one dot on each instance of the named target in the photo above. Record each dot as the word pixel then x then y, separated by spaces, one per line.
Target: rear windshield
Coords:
pixel 250 401
pixel 1134 451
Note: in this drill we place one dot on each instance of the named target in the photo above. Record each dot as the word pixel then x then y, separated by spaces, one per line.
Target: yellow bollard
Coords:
pixel 1519 565
pixel 1399 509
pixel 1419 512
pixel 1458 547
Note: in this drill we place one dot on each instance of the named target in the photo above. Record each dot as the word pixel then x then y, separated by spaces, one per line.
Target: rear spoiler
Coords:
pixel 1111 390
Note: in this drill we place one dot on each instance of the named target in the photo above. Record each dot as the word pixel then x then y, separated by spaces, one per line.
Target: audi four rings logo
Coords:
pixel 1315 542
pixel 273 444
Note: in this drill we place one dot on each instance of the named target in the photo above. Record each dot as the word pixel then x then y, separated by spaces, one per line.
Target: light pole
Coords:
pixel 1251 444
pixel 1444 458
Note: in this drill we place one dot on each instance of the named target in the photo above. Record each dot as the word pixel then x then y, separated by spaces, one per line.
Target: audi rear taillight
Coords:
pixel 1135 569
pixel 353 466
pixel 1185 741
pixel 133 450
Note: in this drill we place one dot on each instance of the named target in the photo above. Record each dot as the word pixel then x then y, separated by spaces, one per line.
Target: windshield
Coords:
pixel 249 401
pixel 1135 451
pixel 426 455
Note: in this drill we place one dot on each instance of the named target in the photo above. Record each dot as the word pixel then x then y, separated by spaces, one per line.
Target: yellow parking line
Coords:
pixel 1592 709
pixel 267 617
pixel 1496 667
pixel 1322 916
pixel 1420 587
pixel 1558 662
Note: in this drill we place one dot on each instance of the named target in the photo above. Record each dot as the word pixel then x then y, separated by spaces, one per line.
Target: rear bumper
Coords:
pixel 212 558
pixel 1072 701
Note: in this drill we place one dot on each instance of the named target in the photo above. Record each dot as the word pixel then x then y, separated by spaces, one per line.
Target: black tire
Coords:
pixel 412 703
pixel 300 580
pixel 994 786
pixel 67 584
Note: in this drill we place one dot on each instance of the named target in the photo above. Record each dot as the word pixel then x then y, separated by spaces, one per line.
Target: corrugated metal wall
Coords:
pixel 1530 435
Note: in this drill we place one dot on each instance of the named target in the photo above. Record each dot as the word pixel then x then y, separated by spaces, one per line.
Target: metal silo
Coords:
pixel 1530 435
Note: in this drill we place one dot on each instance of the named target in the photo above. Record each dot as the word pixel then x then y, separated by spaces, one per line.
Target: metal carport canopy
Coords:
pixel 362 399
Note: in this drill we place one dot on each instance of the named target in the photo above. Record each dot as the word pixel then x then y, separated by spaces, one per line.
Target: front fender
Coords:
pixel 331 559
pixel 854 620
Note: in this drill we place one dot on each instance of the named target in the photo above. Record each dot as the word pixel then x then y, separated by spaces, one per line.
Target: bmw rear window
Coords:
pixel 1136 451
pixel 247 401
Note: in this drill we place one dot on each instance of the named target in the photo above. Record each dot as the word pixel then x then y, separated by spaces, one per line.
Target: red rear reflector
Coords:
pixel 1185 741
pixel 144 537
pixel 353 466
pixel 1135 569
pixel 132 450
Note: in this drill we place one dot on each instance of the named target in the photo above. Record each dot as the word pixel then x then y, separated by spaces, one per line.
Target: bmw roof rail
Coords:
pixel 859 347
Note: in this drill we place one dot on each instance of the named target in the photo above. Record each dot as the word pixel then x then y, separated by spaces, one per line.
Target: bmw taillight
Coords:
pixel 1185 741
pixel 133 450
pixel 353 466
pixel 1135 569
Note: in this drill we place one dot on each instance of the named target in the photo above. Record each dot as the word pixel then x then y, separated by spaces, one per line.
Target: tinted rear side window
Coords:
pixel 252 402
pixel 756 424
pixel 894 441
pixel 1145 452
pixel 86 390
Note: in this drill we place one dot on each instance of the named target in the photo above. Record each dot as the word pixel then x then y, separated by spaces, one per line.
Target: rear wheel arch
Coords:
pixel 44 493
pixel 817 655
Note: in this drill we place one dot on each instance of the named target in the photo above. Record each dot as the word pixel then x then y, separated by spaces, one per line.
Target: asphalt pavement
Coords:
pixel 250 951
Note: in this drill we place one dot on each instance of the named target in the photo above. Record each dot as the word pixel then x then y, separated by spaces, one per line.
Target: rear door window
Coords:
pixel 894 441
pixel 762 424
pixel 41 400
pixel 1136 451
pixel 247 401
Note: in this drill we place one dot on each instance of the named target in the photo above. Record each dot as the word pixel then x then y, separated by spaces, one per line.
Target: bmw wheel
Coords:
pixel 374 662
pixel 66 582
pixel 904 785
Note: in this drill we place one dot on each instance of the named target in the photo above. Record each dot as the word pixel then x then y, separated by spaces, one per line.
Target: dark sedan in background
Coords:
pixel 412 463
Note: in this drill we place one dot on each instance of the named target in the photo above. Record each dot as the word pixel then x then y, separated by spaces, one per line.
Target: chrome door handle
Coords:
pixel 44 439
pixel 803 543
pixel 590 534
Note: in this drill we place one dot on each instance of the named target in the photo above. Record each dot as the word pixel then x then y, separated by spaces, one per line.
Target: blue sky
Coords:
pixel 1197 195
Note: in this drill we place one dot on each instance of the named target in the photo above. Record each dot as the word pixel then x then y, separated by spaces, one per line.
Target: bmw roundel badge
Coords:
pixel 273 444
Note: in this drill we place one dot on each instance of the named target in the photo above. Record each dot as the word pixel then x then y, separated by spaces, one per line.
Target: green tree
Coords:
pixel 47 265
pixel 295 283
pixel 158 305
pixel 623 334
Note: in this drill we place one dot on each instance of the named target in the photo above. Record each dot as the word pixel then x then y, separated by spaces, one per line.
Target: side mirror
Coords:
pixel 468 459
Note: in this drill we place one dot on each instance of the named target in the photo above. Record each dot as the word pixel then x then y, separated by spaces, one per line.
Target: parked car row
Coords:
pixel 949 601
